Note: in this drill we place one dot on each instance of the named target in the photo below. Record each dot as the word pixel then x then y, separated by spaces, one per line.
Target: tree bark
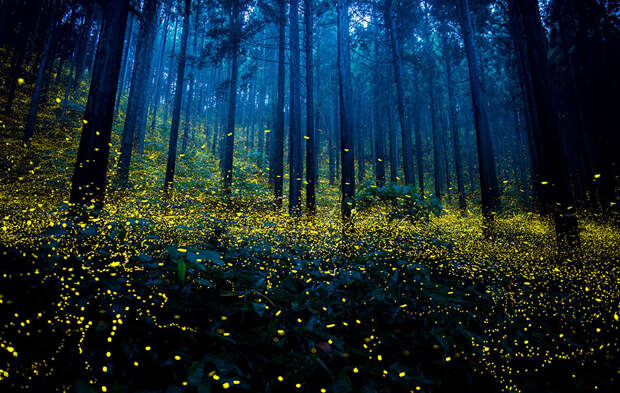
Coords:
pixel 454 127
pixel 379 138
pixel 229 138
pixel 548 133
pixel 486 162
pixel 89 176
pixel 140 79
pixel 36 95
pixel 277 141
pixel 178 97
pixel 295 140
pixel 310 129
pixel 346 125
pixel 400 90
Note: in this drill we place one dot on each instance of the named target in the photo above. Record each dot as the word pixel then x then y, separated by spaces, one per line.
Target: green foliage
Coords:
pixel 400 201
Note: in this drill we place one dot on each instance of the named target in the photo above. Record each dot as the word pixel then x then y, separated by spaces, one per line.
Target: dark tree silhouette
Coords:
pixel 178 97
pixel 89 176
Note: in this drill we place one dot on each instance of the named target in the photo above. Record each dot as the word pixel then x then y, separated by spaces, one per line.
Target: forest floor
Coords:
pixel 198 293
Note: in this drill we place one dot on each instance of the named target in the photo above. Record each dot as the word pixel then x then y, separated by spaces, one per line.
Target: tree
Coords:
pixel 311 133
pixel 377 126
pixel 178 97
pixel 390 25
pixel 453 126
pixel 136 106
pixel 229 144
pixel 486 162
pixel 38 86
pixel 277 141
pixel 558 195
pixel 89 176
pixel 295 152
pixel 346 124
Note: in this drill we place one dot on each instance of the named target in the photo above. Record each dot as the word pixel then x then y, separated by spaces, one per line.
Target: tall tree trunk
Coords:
pixel 19 52
pixel 346 124
pixel 437 156
pixel 140 80
pixel 178 97
pixel 310 129
pixel 262 91
pixel 41 74
pixel 559 201
pixel 188 112
pixel 167 90
pixel 486 162
pixel 89 176
pixel 158 76
pixel 295 152
pixel 277 141
pixel 379 137
pixel 193 80
pixel 454 128
pixel 400 92
pixel 80 57
pixel 227 167
pixel 331 142
pixel 125 62
pixel 418 139
pixel 393 143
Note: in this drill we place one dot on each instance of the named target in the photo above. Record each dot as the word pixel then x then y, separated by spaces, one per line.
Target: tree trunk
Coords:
pixel 400 90
pixel 418 140
pixel 310 129
pixel 379 138
pixel 125 62
pixel 229 138
pixel 393 143
pixel 80 57
pixel 454 128
pixel 548 133
pixel 140 79
pixel 346 125
pixel 277 141
pixel 331 143
pixel 488 179
pixel 89 176
pixel 41 74
pixel 178 97
pixel 437 156
pixel 295 152
pixel 158 81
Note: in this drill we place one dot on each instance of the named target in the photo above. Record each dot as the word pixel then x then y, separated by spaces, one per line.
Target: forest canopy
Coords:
pixel 309 195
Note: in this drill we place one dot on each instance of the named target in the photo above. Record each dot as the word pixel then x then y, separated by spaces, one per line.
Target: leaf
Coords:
pixel 259 308
pixel 181 269
pixel 205 282
pixel 195 374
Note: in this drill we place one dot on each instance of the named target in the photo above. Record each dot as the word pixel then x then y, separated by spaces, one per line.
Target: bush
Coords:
pixel 400 201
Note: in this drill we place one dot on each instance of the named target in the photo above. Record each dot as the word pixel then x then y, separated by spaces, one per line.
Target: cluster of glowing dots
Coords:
pixel 516 268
